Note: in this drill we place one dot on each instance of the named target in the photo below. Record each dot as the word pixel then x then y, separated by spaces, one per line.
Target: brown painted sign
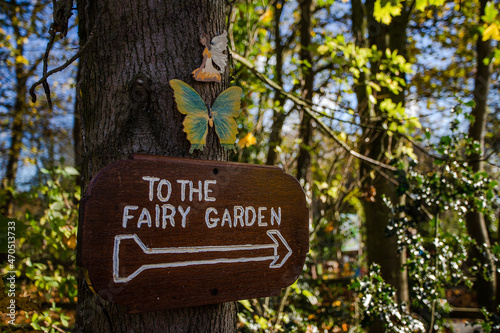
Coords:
pixel 161 232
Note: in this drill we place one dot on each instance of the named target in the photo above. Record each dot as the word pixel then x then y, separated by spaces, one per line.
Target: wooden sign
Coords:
pixel 161 232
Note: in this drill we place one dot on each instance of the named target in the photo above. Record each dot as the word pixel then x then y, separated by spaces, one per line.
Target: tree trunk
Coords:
pixel 279 115
pixel 17 129
pixel 476 225
pixel 306 129
pixel 375 144
pixel 77 133
pixel 127 107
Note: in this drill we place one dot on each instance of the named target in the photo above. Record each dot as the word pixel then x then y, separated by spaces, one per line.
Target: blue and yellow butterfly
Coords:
pixel 199 116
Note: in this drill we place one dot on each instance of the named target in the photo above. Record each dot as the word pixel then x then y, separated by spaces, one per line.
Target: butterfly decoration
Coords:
pixel 200 116
pixel 213 53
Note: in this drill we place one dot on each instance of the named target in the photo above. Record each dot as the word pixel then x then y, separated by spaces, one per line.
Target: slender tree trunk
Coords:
pixel 306 127
pixel 279 115
pixel 17 130
pixel 358 17
pixel 77 133
pixel 476 225
pixel 375 144
pixel 127 107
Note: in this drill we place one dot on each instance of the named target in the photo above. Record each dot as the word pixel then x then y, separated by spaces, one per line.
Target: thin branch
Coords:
pixel 308 109
pixel 45 84
pixel 281 308
pixel 60 68
pixel 46 75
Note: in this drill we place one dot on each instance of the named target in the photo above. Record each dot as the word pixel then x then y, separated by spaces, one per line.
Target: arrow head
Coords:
pixel 278 239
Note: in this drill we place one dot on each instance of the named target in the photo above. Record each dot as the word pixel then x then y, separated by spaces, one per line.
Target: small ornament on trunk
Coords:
pixel 212 54
pixel 199 116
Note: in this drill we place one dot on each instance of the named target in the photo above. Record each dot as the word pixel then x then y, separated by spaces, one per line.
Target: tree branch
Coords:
pixel 62 31
pixel 46 75
pixel 307 107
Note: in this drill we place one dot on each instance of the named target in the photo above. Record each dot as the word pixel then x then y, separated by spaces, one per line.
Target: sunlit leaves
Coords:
pixel 492 23
pixel 377 303
pixel 490 12
pixel 47 242
pixel 386 9
pixel 247 141
pixel 21 60
pixel 423 4
pixel 491 32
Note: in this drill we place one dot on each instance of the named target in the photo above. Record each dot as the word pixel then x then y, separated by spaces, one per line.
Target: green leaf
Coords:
pixel 384 10
pixel 71 171
pixel 323 49
pixel 355 285
pixel 490 13
pixel 445 140
pixel 420 4
pixel 246 304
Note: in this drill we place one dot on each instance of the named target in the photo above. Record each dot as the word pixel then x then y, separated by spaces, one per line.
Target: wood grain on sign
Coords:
pixel 161 232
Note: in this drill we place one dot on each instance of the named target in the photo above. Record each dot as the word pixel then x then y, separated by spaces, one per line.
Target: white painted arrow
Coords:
pixel 275 236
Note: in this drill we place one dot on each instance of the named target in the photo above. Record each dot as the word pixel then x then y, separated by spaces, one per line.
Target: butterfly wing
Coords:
pixel 225 109
pixel 196 120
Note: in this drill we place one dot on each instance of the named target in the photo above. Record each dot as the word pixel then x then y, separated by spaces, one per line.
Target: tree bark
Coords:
pixel 476 225
pixel 77 133
pixel 375 144
pixel 127 107
pixel 279 115
pixel 306 128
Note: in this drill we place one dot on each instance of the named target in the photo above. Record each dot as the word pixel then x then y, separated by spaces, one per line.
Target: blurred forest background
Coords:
pixel 386 111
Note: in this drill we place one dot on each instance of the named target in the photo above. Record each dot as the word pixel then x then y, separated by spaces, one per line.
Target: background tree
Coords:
pixel 35 137
pixel 476 224
pixel 18 107
pixel 388 40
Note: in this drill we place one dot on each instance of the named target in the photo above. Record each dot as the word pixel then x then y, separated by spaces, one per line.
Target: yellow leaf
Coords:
pixel 247 141
pixel 421 4
pixel 267 17
pixel 492 32
pixel 322 49
pixel 21 60
pixel 386 12
pixel 70 241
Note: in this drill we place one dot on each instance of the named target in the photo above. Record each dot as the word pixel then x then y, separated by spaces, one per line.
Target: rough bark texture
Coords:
pixel 476 225
pixel 127 106
pixel 375 144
